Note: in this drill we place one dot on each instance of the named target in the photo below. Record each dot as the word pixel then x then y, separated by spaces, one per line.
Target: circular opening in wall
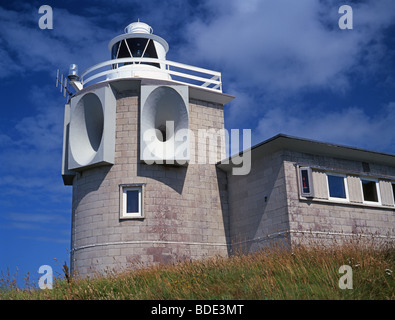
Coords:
pixel 86 128
pixel 164 111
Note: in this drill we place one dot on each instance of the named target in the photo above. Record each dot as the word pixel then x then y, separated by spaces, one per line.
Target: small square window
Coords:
pixel 370 190
pixel 131 201
pixel 336 186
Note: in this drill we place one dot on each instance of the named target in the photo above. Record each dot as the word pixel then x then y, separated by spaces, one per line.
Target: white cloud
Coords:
pixel 4 139
pixel 25 48
pixel 350 126
pixel 43 130
pixel 287 45
pixel 273 53
pixel 31 150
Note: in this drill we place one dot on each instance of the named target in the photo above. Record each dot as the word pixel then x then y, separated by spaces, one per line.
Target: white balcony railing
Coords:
pixel 135 67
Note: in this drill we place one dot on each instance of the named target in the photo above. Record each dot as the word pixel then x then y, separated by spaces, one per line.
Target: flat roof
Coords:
pixel 287 142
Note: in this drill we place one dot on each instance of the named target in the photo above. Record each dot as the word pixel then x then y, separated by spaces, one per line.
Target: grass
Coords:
pixel 276 273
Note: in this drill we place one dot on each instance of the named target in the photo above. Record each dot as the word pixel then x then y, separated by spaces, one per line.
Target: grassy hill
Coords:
pixel 270 274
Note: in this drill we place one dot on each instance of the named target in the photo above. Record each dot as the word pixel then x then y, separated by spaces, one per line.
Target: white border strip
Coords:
pixel 268 237
pixel 146 242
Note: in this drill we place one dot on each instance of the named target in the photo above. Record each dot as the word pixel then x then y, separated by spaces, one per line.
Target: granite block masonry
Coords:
pixel 185 207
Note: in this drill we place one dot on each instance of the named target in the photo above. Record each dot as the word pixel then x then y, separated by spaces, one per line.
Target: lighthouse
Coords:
pixel 138 139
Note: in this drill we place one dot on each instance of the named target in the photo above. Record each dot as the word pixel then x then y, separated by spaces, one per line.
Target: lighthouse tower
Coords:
pixel 142 136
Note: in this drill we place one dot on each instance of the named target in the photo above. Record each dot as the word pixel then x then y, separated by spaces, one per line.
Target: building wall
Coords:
pixel 258 204
pixel 320 218
pixel 289 218
pixel 185 208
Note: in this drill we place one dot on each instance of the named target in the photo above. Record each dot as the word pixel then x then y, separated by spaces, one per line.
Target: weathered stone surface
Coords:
pixel 185 208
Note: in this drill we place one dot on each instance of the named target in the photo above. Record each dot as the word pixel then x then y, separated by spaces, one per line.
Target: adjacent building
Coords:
pixel 302 190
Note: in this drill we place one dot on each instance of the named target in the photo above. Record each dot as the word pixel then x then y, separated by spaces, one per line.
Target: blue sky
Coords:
pixel 290 67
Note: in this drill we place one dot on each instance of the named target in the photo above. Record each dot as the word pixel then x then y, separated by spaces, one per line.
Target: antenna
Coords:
pixel 62 82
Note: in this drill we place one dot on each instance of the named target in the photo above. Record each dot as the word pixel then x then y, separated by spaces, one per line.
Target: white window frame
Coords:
pixel 392 190
pixel 346 199
pixel 123 201
pixel 377 190
pixel 310 178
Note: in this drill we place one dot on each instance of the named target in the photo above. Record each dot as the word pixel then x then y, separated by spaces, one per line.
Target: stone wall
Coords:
pixel 266 207
pixel 328 221
pixel 258 204
pixel 185 208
